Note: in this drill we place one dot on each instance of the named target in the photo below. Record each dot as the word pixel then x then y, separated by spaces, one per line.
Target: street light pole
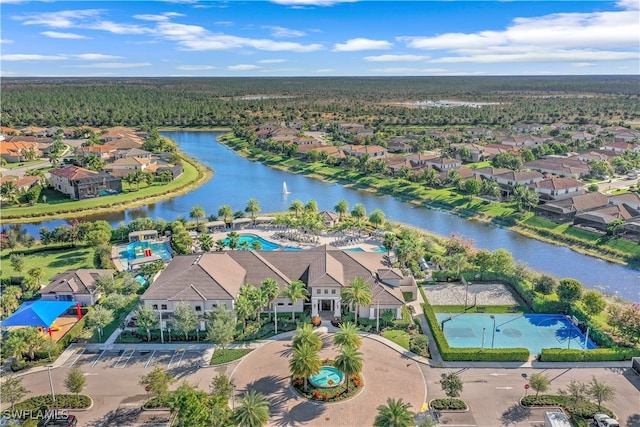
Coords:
pixel 378 317
pixel 275 312
pixel 53 395
pixel 161 333
pixel 493 334
pixel 483 331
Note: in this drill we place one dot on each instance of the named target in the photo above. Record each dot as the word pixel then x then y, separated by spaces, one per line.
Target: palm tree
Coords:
pixel 206 242
pixel 196 213
pixel 271 290
pixel 226 213
pixel 377 218
pixel 342 207
pixel 9 191
pixel 253 206
pixel 295 291
pixel 524 198
pixel 253 410
pixel 359 211
pixel 347 336
pixel 233 240
pixel 244 309
pixel 311 206
pixel 396 413
pixel 358 293
pixel 389 242
pixel 349 361
pixel 296 207
pixel 305 362
pixel 306 336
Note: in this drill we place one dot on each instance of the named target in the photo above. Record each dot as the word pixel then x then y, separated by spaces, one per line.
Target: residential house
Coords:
pixel 522 141
pixel 14 152
pixel 561 166
pixel 622 146
pixel 528 127
pixel 329 218
pixel 133 152
pixel 630 199
pixel 213 279
pixel 75 285
pixel 557 188
pixel 373 151
pixel 401 144
pixel 601 218
pixel 104 152
pixel 443 163
pixel 509 180
pixel 123 166
pixel 80 183
pixel 564 211
pixel 476 152
pixel 22 184
pixel 490 172
pixel 582 136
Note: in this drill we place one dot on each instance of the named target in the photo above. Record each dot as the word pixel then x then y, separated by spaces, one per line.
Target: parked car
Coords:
pixel 64 421
pixel 604 420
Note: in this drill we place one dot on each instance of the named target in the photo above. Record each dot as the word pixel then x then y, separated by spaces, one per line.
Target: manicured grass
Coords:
pixel 399 337
pixel 23 164
pixel 226 355
pixel 60 204
pixel 52 262
pixel 118 318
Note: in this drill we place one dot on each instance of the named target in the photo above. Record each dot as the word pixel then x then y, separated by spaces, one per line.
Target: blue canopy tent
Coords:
pixel 37 313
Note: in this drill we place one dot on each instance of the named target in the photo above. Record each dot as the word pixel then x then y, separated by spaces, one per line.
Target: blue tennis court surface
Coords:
pixel 532 331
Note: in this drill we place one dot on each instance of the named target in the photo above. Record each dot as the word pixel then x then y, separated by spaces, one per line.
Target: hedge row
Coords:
pixel 582 409
pixel 468 354
pixel 596 355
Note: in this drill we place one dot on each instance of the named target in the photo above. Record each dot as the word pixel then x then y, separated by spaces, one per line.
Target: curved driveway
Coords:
pixel 386 374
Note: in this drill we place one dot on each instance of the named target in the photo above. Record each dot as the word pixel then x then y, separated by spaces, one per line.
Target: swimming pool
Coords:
pixel 265 244
pixel 136 250
pixel 532 331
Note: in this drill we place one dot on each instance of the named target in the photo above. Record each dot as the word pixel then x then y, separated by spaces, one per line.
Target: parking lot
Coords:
pixel 87 359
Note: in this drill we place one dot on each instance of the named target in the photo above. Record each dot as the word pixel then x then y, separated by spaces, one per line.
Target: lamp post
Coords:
pixel 466 292
pixel 53 395
pixel 233 397
pixel 275 313
pixel 493 334
pixel 378 317
pixel 161 333
pixel 483 331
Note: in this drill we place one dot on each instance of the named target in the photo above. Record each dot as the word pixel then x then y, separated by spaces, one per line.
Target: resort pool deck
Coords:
pixel 531 331
pixel 137 250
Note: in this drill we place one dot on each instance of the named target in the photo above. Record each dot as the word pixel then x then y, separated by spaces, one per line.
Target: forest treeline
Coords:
pixel 375 101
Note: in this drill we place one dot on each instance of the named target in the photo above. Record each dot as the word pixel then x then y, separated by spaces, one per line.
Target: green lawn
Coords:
pixel 58 203
pixel 397 336
pixel 226 355
pixel 52 262
pixel 23 164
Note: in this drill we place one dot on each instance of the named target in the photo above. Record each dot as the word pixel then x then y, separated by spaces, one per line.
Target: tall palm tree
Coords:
pixel 347 336
pixel 196 213
pixel 296 207
pixel 358 293
pixel 395 413
pixel 9 191
pixel 377 218
pixel 233 240
pixel 271 290
pixel 295 291
pixel 342 207
pixel 253 410
pixel 226 213
pixel 349 361
pixel 305 363
pixel 253 206
pixel 311 206
pixel 306 335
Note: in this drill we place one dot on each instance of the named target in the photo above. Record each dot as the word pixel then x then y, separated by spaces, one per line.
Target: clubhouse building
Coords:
pixel 213 279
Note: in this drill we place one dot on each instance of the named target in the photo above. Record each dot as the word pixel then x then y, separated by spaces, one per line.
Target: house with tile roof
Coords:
pixel 565 210
pixel 213 279
pixel 14 152
pixel 75 285
pixel 557 188
pixel 601 218
pixel 80 183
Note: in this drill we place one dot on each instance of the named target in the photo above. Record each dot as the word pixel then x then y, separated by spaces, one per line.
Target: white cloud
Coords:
pixel 195 67
pixel 58 35
pixel 96 57
pixel 62 19
pixel 194 37
pixel 32 57
pixel 160 17
pixel 311 2
pixel 224 23
pixel 284 32
pixel 6 41
pixel 396 58
pixel 583 64
pixel 628 4
pixel 423 71
pixel 243 67
pixel 324 70
pixel 558 37
pixel 361 44
pixel 271 61
pixel 116 65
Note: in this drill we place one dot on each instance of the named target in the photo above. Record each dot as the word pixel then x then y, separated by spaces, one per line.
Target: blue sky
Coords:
pixel 318 38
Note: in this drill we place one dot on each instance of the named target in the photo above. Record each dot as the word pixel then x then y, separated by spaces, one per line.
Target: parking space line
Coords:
pixel 133 350
pixel 97 358
pixel 150 359
pixel 124 353
pixel 174 355
pixel 78 357
pixel 181 357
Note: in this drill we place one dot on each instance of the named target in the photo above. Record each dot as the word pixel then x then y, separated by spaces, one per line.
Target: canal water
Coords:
pixel 237 179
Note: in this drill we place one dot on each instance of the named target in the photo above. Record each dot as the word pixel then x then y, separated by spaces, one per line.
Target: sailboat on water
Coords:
pixel 284 188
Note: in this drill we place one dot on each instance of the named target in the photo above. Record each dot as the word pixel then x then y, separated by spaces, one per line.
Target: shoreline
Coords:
pixel 523 230
pixel 204 174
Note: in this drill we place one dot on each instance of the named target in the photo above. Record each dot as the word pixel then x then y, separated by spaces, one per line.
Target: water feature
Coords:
pixel 327 377
pixel 237 179
pixel 285 191
pixel 137 250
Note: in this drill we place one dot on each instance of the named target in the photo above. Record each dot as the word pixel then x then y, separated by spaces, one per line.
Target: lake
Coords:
pixel 237 179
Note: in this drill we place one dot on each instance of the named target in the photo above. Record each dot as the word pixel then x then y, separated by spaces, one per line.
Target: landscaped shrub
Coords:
pixel 448 404
pixel 595 355
pixel 419 344
pixel 583 409
pixel 45 402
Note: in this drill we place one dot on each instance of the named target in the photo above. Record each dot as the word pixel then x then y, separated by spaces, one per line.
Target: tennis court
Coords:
pixel 532 331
